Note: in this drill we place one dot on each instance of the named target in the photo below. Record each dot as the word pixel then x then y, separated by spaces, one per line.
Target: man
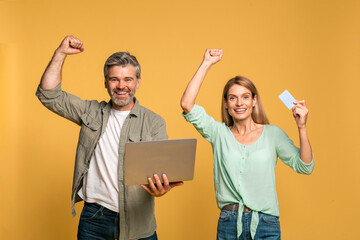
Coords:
pixel 111 210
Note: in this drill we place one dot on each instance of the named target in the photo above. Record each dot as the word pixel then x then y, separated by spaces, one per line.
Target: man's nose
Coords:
pixel 121 84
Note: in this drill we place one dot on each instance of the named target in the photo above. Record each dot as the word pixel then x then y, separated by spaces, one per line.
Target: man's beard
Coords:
pixel 122 103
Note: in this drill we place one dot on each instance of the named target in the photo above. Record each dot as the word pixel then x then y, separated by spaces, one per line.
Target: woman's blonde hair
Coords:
pixel 258 114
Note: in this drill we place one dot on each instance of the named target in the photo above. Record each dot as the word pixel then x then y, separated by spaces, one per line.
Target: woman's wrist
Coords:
pixel 302 128
pixel 206 64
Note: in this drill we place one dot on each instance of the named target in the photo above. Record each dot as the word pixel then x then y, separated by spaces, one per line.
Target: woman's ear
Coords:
pixel 254 100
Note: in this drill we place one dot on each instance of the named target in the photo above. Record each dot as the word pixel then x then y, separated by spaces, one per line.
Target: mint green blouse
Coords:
pixel 245 174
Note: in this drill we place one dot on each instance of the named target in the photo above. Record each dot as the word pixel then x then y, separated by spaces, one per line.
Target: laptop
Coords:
pixel 175 158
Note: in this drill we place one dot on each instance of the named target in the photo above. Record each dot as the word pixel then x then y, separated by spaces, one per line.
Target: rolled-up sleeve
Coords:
pixel 290 154
pixel 203 123
pixel 62 103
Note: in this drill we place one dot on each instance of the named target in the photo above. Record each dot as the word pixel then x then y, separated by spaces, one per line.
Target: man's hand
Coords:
pixel 212 56
pixel 159 190
pixel 70 45
pixel 52 75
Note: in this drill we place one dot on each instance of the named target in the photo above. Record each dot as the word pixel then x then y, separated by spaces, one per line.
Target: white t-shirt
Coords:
pixel 101 181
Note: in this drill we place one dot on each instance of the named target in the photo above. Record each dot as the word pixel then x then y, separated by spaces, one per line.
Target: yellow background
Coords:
pixel 311 48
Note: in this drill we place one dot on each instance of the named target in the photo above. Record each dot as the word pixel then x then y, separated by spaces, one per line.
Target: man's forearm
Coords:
pixel 52 75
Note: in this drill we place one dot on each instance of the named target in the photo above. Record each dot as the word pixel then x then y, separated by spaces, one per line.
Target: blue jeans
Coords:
pixel 100 223
pixel 268 228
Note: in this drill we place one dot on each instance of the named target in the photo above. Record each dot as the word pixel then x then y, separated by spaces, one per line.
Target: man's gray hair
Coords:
pixel 122 59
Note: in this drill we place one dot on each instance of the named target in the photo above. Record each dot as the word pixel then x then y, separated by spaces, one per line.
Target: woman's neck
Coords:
pixel 244 127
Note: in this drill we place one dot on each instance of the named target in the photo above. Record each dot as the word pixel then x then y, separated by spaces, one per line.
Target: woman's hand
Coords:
pixel 213 56
pixel 300 113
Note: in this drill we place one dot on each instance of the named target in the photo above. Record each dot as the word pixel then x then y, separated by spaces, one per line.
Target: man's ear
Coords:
pixel 138 81
pixel 106 83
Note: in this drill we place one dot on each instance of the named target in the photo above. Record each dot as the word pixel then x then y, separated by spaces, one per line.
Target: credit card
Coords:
pixel 287 99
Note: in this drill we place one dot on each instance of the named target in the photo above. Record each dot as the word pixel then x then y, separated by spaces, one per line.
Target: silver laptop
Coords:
pixel 175 158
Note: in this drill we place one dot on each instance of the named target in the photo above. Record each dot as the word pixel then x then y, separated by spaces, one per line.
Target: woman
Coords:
pixel 246 149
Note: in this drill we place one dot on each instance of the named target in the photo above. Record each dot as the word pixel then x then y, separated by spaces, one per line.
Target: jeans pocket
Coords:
pixel 268 228
pixel 226 228
pixel 271 220
pixel 224 216
pixel 90 212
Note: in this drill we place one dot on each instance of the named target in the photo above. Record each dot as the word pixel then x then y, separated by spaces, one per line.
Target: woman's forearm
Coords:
pixel 211 57
pixel 305 147
pixel 193 88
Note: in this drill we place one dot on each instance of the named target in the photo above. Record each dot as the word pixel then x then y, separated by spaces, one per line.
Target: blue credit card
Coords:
pixel 287 99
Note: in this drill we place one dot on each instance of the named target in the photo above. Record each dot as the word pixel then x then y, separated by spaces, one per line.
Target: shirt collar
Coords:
pixel 135 111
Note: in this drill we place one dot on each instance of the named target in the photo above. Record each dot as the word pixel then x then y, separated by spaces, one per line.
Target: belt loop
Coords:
pixel 233 209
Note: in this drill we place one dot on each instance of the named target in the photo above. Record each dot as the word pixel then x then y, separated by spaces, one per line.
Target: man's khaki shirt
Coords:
pixel 136 206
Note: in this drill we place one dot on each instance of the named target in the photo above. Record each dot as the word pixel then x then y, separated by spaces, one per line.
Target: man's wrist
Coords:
pixel 58 55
